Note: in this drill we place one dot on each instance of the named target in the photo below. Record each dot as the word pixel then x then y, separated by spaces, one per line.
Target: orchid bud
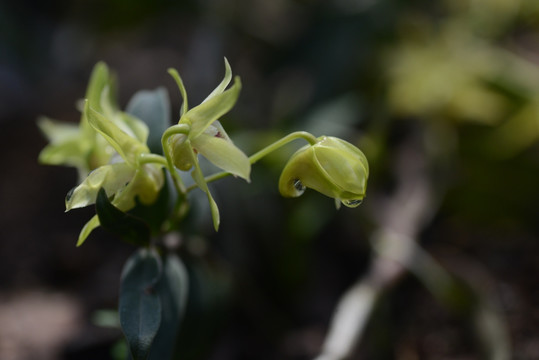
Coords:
pixel 332 167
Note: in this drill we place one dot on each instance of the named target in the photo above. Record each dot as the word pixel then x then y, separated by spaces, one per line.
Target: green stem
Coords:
pixel 279 143
pixel 311 139
pixel 174 130
pixel 152 159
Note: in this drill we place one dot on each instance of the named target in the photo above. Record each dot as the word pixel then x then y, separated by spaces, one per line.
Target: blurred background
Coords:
pixel 442 96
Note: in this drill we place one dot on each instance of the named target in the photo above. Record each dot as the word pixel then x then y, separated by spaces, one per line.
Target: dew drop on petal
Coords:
pixel 298 186
pixel 352 203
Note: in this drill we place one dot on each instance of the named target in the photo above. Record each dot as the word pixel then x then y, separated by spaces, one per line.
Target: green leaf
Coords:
pixel 208 308
pixel 173 289
pixel 152 107
pixel 140 304
pixel 130 228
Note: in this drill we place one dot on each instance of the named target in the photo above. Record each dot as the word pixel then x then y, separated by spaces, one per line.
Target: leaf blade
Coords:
pixel 140 304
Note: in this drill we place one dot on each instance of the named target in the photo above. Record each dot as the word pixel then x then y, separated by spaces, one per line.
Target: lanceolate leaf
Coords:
pixel 172 289
pixel 126 226
pixel 140 303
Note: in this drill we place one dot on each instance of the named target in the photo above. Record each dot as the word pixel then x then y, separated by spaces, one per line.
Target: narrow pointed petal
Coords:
pixel 128 147
pixel 179 82
pixel 138 129
pixel 87 229
pixel 222 86
pixel 56 131
pixel 203 115
pixel 198 176
pixel 68 153
pixel 199 179
pixel 99 78
pixel 129 124
pixel 223 154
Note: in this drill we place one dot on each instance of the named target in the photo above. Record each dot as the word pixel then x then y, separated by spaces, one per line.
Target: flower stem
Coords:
pixel 152 159
pixel 279 143
pixel 311 139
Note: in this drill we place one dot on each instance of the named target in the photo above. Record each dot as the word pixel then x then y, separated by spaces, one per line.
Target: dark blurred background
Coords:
pixel 457 79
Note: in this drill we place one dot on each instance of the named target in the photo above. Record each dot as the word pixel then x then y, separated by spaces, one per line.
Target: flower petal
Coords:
pixel 57 132
pixel 110 177
pixel 128 147
pixel 223 154
pixel 344 169
pixel 222 86
pixel 198 176
pixel 69 153
pixel 87 229
pixel 203 115
pixel 145 184
pixel 201 182
pixel 129 124
pixel 183 93
pixel 99 79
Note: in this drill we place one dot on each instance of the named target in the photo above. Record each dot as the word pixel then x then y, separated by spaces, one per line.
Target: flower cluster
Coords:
pixel 109 149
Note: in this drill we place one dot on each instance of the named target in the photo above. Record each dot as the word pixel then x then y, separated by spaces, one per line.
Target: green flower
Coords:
pixel 199 132
pixel 206 135
pixel 80 145
pixel 332 167
pixel 125 178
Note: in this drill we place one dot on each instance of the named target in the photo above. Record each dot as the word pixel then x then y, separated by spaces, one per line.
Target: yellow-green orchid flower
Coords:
pixel 79 145
pixel 126 178
pixel 199 132
pixel 332 167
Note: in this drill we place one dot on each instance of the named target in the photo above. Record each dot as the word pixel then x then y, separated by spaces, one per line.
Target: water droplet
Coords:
pixel 70 194
pixel 298 185
pixel 297 188
pixel 352 203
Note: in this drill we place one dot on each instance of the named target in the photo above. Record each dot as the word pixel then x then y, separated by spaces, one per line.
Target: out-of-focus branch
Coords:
pixel 401 218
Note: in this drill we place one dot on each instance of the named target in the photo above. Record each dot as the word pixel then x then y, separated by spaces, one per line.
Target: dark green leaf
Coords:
pixel 152 107
pixel 140 304
pixel 207 308
pixel 172 289
pixel 128 227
